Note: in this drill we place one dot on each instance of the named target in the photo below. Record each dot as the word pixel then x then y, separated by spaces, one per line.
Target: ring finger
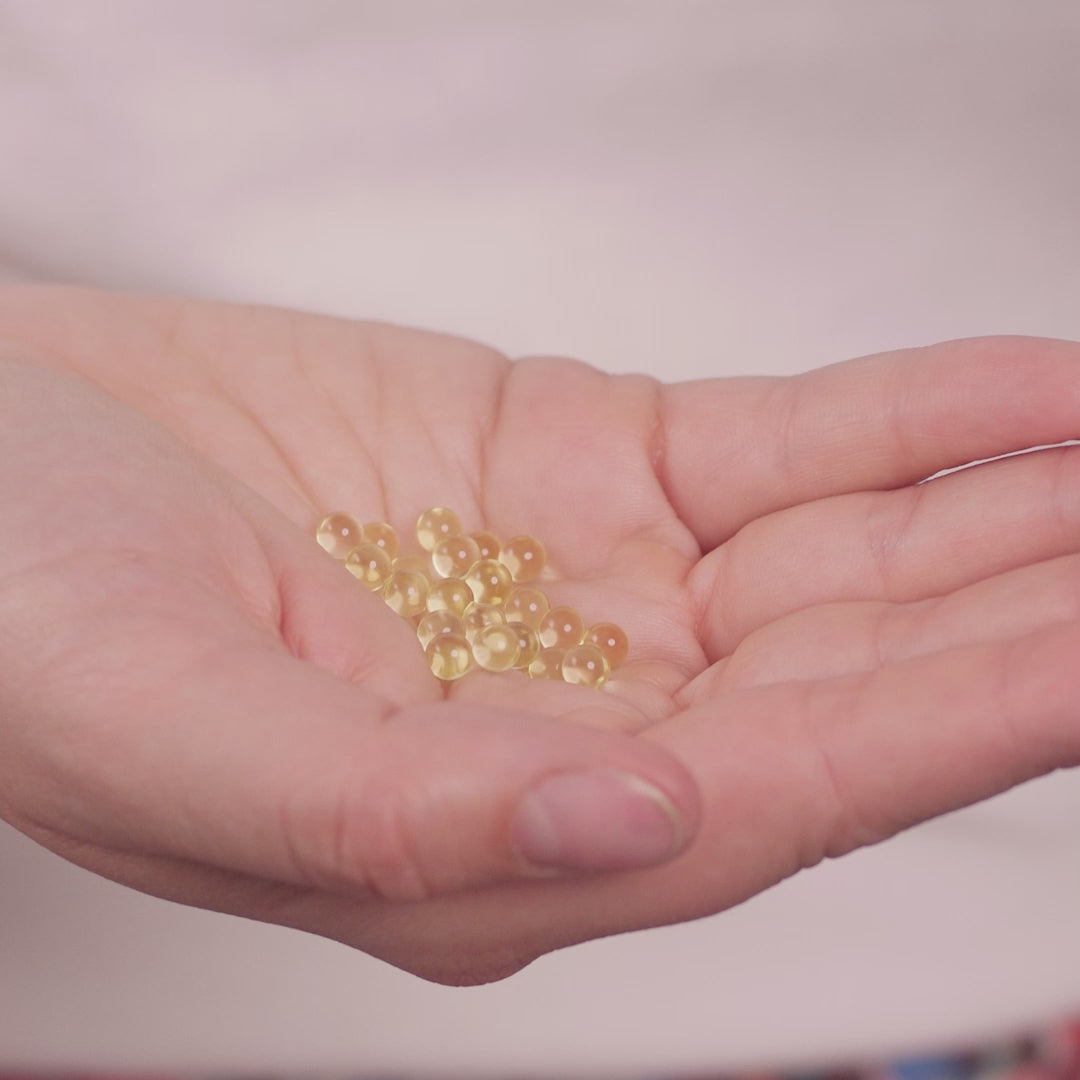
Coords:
pixel 900 546
pixel 860 636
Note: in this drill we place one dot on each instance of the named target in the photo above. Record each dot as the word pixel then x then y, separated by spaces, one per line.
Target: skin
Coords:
pixel 198 702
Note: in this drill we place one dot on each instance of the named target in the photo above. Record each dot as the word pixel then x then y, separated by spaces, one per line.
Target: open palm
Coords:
pixel 823 649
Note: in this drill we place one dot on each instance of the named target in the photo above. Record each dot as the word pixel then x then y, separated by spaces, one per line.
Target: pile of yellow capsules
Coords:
pixel 471 599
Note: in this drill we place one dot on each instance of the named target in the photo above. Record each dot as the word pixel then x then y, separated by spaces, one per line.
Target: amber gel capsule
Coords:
pixel 490 581
pixel 524 557
pixel 406 593
pixel 414 564
pixel 382 534
pixel 438 622
pixel 477 616
pixel 436 524
pixel 585 665
pixel 449 594
pixel 547 665
pixel 611 640
pixel 488 543
pixel 449 656
pixel 561 628
pixel 339 533
pixel 527 605
pixel 528 644
pixel 495 647
pixel 453 556
pixel 370 564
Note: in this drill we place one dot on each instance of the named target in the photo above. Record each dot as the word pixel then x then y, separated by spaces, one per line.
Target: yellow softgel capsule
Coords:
pixel 449 594
pixel 454 555
pixel 438 622
pixel 339 533
pixel 524 557
pixel 382 534
pixel 477 616
pixel 413 564
pixel 488 543
pixel 611 640
pixel 495 647
pixel 449 656
pixel 406 593
pixel 370 564
pixel 527 605
pixel 490 581
pixel 528 644
pixel 436 524
pixel 547 665
pixel 585 665
pixel 561 628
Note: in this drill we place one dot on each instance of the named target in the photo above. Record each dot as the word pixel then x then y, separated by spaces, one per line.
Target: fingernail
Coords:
pixel 595 821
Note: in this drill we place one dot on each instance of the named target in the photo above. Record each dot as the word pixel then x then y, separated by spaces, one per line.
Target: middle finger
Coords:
pixel 862 636
pixel 900 546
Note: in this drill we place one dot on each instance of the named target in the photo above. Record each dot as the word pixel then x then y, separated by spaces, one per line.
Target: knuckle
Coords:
pixel 358 840
pixel 888 529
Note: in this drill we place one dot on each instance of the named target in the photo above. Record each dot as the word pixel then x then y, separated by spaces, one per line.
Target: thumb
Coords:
pixel 181 729
pixel 273 767
pixel 374 783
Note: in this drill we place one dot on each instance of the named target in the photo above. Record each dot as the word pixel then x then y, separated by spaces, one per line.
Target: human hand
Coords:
pixel 199 703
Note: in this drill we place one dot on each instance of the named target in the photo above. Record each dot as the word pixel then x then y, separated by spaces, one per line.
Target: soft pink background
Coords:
pixel 679 188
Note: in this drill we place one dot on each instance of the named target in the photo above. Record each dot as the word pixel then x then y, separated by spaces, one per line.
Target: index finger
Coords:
pixel 735 450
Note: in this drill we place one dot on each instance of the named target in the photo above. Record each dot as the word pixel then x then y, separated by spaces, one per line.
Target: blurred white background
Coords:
pixel 680 188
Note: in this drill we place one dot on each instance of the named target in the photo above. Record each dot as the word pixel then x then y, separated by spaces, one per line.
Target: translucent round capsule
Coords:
pixel 449 656
pixel 547 665
pixel 488 543
pixel 561 628
pixel 527 605
pixel 490 581
pixel 611 640
pixel 413 564
pixel 495 647
pixel 339 533
pixel 436 524
pixel 477 616
pixel 528 644
pixel 382 534
pixel 454 555
pixel 438 622
pixel 406 593
pixel 585 665
pixel 370 564
pixel 524 557
pixel 449 594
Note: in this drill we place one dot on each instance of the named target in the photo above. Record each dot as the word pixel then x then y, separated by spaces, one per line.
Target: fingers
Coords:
pixel 735 450
pixel 921 541
pixel 947 729
pixel 259 763
pixel 789 774
pixel 248 706
pixel 858 758
pixel 861 636
pixel 866 755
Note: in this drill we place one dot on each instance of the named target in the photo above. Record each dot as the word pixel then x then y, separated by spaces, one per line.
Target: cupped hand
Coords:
pixel 199 702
